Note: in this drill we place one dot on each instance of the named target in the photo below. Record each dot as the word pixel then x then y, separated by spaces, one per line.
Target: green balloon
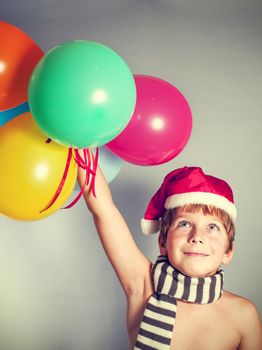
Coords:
pixel 82 94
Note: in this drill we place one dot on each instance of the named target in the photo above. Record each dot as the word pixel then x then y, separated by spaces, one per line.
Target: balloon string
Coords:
pixel 86 165
pixel 83 162
pixel 61 185
pixel 88 160
pixel 79 160
pixel 94 176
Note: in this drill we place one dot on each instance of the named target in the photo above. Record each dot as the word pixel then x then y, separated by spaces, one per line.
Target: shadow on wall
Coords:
pixel 132 200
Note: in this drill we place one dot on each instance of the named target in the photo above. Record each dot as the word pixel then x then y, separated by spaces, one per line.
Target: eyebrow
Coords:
pixel 185 216
pixel 178 218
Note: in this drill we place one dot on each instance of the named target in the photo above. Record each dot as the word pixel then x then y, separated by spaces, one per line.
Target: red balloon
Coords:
pixel 159 127
pixel 18 56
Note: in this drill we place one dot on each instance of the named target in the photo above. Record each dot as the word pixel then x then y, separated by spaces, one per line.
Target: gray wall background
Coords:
pixel 57 289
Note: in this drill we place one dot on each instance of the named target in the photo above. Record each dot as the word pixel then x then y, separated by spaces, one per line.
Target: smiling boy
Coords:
pixel 178 302
pixel 197 244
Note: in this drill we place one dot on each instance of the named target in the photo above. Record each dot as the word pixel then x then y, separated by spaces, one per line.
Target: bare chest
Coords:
pixel 198 327
pixel 203 327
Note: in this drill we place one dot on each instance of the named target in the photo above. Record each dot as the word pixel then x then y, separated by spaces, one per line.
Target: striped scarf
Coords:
pixel 157 325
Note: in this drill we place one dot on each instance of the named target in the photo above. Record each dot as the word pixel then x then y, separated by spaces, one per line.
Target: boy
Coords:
pixel 178 303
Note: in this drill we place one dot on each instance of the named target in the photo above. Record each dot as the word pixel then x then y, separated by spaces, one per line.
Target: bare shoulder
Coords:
pixel 245 317
pixel 240 305
pixel 237 301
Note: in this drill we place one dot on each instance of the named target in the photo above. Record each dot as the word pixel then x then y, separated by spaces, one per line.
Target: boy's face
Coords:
pixel 196 244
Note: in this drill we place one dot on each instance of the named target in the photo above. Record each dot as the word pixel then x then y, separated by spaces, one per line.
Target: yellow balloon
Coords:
pixel 31 170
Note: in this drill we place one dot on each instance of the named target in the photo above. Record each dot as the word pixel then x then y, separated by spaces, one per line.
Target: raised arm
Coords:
pixel 130 264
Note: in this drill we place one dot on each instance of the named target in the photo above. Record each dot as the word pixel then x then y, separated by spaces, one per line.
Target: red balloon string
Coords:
pixel 85 164
pixel 82 163
pixel 79 160
pixel 87 156
pixel 61 185
pixel 94 169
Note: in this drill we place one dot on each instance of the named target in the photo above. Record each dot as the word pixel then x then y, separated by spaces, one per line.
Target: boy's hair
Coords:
pixel 223 216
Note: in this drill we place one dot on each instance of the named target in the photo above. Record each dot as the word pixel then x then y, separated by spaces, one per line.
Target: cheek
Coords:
pixel 174 241
pixel 224 241
pixel 219 244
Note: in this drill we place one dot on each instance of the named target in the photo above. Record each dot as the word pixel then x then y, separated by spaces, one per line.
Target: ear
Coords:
pixel 163 250
pixel 162 245
pixel 228 255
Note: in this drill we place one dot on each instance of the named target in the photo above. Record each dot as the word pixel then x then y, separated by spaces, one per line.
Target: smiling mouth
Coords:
pixel 195 254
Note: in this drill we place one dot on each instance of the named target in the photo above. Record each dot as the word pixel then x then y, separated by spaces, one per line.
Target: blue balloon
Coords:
pixel 109 163
pixel 9 114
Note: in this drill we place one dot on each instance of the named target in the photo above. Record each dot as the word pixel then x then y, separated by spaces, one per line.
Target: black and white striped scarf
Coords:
pixel 157 325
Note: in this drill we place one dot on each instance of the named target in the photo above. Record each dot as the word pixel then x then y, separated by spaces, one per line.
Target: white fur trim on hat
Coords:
pixel 207 198
pixel 150 226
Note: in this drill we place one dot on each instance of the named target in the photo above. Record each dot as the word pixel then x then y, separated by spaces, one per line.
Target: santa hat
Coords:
pixel 188 185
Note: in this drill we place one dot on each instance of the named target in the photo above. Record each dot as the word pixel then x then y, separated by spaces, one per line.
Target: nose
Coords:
pixel 196 236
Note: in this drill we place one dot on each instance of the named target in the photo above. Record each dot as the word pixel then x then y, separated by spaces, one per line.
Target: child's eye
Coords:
pixel 213 227
pixel 184 224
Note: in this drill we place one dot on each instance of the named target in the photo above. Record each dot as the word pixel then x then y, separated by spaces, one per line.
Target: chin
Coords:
pixel 196 272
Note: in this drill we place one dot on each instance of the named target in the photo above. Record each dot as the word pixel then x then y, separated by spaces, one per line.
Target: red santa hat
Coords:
pixel 188 185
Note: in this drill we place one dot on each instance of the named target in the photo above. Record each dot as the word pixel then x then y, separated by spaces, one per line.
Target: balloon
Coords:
pixel 9 114
pixel 109 163
pixel 82 94
pixel 18 56
pixel 159 127
pixel 31 170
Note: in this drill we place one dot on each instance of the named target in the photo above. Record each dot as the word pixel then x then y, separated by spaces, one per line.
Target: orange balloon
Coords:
pixel 31 171
pixel 18 56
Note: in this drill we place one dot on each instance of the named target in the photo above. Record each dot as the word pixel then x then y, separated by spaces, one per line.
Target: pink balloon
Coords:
pixel 159 127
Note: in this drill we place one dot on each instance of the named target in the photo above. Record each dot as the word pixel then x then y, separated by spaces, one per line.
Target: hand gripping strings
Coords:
pixel 85 164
